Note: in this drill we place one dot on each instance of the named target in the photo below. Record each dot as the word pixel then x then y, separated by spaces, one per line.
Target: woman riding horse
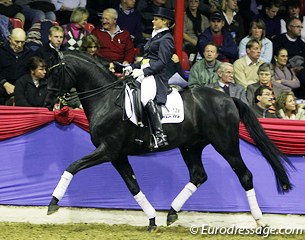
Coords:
pixel 210 117
pixel 152 73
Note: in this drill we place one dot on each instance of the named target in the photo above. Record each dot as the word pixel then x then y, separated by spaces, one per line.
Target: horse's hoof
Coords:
pixel 52 208
pixel 171 219
pixel 152 228
pixel 260 223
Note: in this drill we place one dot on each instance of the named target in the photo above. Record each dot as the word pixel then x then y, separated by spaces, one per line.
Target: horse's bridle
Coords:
pixel 92 92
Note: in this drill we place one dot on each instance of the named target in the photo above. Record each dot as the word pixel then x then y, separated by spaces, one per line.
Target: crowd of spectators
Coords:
pixel 262 43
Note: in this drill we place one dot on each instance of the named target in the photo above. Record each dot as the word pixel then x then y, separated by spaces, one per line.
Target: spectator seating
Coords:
pixel 89 27
pixel 16 22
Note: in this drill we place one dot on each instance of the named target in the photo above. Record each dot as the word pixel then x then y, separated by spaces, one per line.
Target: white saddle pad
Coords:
pixel 173 111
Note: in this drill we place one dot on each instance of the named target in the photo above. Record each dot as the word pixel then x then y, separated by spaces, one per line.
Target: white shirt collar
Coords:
pixel 117 30
pixel 291 39
pixel 249 61
pixel 222 84
pixel 128 11
pixel 226 17
pixel 155 32
pixel 51 46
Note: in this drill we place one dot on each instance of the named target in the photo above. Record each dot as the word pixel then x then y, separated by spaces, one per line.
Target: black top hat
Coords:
pixel 165 13
pixel 216 16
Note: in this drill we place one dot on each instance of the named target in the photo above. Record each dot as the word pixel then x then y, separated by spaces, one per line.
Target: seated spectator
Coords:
pixel 233 21
pixel 31 88
pixel 147 16
pixel 258 31
pixel 11 10
pixel 203 72
pixel 248 9
pixel 282 73
pixel 96 7
pixel 293 10
pixel 14 57
pixel 246 67
pixel 65 8
pixel 269 16
pixel 50 51
pixel 287 108
pixel 91 46
pixel 129 19
pixel 296 48
pixel 115 44
pixel 194 24
pixel 38 34
pixel 75 30
pixel 292 39
pixel 226 82
pixel 37 10
pixel 265 73
pixel 227 48
pixel 263 101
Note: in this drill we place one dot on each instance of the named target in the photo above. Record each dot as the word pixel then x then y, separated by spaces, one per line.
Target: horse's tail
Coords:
pixel 274 156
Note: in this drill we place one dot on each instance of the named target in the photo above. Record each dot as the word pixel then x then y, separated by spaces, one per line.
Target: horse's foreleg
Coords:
pixel 90 160
pixel 198 176
pixel 59 192
pixel 125 170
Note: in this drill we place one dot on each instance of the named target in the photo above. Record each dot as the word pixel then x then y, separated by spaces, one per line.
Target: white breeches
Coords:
pixel 148 89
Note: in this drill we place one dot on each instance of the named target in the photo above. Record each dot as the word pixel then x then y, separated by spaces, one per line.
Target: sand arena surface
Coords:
pixel 37 215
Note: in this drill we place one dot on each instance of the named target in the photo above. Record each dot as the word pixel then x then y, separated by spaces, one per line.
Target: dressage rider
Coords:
pixel 152 70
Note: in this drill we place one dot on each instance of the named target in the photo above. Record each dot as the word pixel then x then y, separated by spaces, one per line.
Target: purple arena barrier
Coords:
pixel 32 164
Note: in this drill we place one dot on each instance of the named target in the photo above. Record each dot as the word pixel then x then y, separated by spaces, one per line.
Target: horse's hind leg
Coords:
pixel 125 170
pixel 231 152
pixel 95 158
pixel 198 176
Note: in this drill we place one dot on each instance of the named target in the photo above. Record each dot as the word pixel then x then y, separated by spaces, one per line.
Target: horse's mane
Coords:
pixel 82 56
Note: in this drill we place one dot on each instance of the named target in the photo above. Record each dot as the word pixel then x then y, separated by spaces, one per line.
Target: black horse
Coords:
pixel 211 117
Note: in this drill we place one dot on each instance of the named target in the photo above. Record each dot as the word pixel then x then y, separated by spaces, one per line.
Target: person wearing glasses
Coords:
pixel 296 47
pixel 263 101
pixel 293 9
pixel 265 74
pixel 14 57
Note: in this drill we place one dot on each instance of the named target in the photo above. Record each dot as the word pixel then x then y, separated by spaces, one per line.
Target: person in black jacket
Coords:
pixel 152 72
pixel 13 58
pixel 31 88
pixel 50 51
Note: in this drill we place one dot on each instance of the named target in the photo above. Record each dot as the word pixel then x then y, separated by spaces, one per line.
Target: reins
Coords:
pixel 99 90
pixel 92 92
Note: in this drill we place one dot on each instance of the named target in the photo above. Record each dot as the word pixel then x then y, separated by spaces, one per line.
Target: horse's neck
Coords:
pixel 101 104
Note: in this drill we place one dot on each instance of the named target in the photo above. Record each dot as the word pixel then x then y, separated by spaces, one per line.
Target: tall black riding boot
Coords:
pixel 156 125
